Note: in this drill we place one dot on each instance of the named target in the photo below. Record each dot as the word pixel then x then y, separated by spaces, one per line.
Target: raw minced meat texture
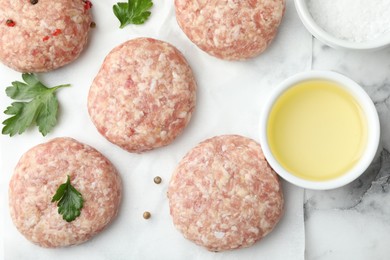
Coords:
pixel 37 176
pixel 45 36
pixel 143 96
pixel 230 29
pixel 223 194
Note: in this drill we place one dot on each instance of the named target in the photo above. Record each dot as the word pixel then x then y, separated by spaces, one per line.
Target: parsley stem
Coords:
pixel 60 86
pixel 36 104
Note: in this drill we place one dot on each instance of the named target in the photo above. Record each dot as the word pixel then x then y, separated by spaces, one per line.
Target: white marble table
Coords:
pixel 353 222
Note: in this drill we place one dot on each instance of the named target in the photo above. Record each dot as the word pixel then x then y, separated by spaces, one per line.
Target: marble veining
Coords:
pixel 353 195
pixel 353 222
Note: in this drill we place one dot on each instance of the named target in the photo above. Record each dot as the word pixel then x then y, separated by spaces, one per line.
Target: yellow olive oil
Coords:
pixel 317 130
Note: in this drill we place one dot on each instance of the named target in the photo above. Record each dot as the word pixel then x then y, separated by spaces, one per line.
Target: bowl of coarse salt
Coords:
pixel 347 24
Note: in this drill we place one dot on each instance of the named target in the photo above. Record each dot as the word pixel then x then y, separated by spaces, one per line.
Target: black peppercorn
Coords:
pixel 33 2
pixel 147 215
pixel 157 179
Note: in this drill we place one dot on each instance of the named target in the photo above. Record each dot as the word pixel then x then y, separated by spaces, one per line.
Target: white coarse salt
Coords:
pixel 352 20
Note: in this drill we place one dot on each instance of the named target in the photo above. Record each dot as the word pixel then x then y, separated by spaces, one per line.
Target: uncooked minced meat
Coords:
pixel 230 29
pixel 42 36
pixel 36 179
pixel 223 194
pixel 143 96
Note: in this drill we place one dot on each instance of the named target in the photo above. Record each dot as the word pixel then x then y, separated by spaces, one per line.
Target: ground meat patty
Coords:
pixel 38 175
pixel 143 96
pixel 43 36
pixel 230 29
pixel 223 194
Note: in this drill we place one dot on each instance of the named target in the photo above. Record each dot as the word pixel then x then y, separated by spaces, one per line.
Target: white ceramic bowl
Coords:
pixel 373 129
pixel 332 41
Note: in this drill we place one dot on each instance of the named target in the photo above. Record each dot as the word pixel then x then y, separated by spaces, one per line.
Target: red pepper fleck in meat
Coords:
pixel 87 5
pixel 10 23
pixel 45 38
pixel 57 32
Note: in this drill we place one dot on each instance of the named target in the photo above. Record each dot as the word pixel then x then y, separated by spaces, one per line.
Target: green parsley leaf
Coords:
pixel 70 201
pixel 39 106
pixel 133 12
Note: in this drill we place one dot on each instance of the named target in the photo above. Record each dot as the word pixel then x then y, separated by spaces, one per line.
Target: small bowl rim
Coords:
pixel 331 40
pixel 367 106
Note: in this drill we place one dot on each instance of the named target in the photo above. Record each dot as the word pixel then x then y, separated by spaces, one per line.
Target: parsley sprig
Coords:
pixel 70 201
pixel 132 12
pixel 37 104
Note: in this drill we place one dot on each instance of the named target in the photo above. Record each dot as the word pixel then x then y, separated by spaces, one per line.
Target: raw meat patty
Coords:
pixel 230 29
pixel 143 96
pixel 223 194
pixel 36 179
pixel 45 35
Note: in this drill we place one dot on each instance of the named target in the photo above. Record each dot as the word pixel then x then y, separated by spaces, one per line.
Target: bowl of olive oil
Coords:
pixel 319 130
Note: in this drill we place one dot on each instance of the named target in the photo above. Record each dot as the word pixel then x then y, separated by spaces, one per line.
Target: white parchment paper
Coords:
pixel 229 100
